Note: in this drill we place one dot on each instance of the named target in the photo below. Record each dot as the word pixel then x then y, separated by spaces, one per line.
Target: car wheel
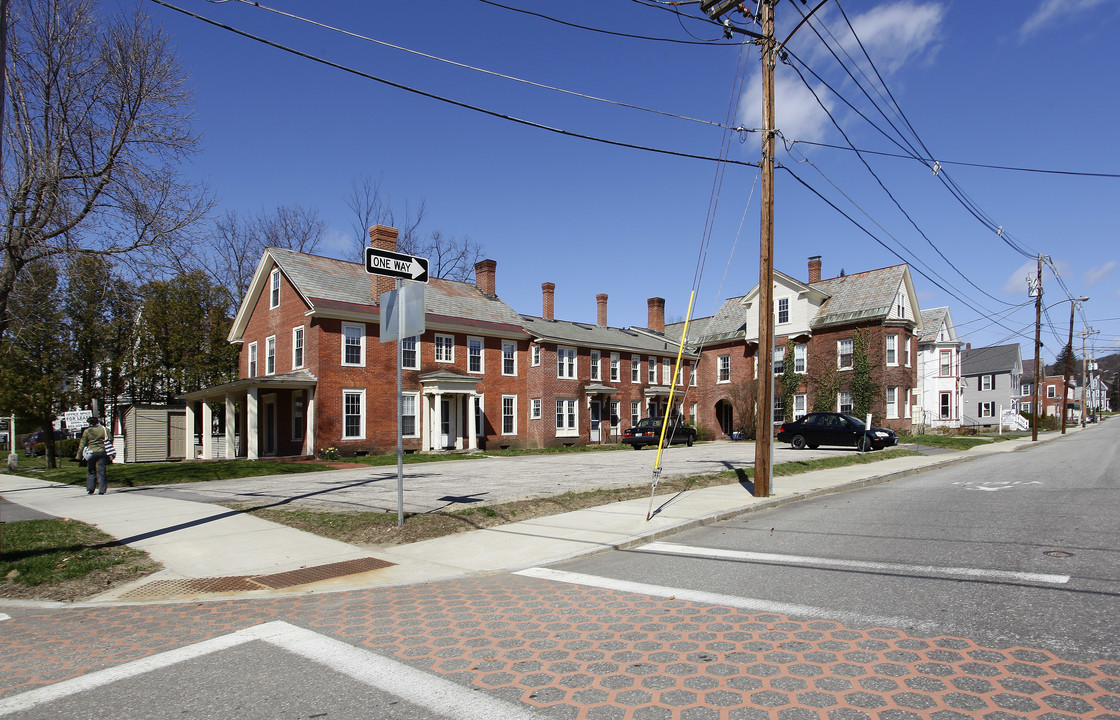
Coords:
pixel 798 442
pixel 863 443
pixel 636 446
pixel 689 441
pixel 814 446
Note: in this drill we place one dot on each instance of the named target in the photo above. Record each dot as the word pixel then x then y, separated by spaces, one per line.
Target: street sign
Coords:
pixel 411 298
pixel 396 265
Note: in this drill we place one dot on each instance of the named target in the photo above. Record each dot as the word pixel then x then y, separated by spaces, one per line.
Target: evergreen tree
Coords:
pixel 1059 366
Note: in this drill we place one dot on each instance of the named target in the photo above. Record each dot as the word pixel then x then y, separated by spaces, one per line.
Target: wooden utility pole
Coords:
pixel 1035 414
pixel 765 356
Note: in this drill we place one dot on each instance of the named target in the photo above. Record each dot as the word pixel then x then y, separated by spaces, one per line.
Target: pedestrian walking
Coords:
pixel 94 438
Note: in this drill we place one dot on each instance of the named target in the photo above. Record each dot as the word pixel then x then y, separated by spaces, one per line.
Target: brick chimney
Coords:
pixel 548 290
pixel 601 314
pixel 381 237
pixel 484 276
pixel 814 269
pixel 656 314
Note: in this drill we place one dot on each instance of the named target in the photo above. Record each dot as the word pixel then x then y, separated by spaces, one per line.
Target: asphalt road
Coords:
pixel 977 549
pixel 460 483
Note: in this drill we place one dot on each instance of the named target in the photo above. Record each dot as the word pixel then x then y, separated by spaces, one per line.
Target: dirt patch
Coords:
pixel 133 565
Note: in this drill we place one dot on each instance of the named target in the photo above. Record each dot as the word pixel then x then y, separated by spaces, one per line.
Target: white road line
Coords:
pixel 750 604
pixel 923 570
pixel 414 686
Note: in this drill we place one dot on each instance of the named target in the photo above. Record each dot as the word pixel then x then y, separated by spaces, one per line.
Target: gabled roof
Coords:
pixel 932 322
pixel 589 335
pixel 862 296
pixel 729 323
pixel 992 360
pixel 340 288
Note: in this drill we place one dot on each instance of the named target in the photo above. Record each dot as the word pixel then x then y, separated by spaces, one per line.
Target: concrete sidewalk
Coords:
pixel 209 551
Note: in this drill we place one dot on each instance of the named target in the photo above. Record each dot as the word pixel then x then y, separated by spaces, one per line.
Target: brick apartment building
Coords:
pixel 315 374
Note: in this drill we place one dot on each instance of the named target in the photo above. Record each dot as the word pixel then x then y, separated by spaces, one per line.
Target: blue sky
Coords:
pixel 1015 83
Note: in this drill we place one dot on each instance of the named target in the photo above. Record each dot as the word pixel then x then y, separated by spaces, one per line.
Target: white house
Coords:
pixel 939 371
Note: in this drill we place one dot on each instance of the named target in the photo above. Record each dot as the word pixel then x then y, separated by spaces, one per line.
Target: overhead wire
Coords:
pixel 450 101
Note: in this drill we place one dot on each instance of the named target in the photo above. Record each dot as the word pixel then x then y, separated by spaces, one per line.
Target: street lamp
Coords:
pixel 1065 383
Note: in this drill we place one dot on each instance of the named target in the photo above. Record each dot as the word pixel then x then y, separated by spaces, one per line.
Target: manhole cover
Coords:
pixel 1058 553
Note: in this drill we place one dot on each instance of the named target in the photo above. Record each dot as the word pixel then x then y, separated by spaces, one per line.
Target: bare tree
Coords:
pixel 449 257
pixel 237 242
pixel 97 124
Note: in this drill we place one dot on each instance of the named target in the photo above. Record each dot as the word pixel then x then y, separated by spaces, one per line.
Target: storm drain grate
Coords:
pixel 1057 553
pixel 243 583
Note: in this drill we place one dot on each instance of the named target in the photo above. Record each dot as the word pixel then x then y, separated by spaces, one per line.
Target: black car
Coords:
pixel 648 432
pixel 816 429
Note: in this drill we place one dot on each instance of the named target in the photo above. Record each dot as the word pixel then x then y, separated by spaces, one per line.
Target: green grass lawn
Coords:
pixel 138 474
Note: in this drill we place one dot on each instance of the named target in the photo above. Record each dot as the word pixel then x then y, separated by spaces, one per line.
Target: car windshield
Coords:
pixel 852 421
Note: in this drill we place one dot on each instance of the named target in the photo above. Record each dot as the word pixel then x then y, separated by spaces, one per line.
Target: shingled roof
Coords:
pixel 991 360
pixel 566 332
pixel 932 321
pixel 861 296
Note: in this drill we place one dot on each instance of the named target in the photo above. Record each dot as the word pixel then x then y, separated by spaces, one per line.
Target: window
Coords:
pixel 946 406
pixel 596 365
pixel 906 351
pixel 906 407
pixel 410 403
pixel 892 402
pixel 535 409
pixel 410 359
pixel 799 359
pixel 901 306
pixel 445 348
pixel 986 382
pixel 509 358
pixel 274 289
pixel 800 401
pixel 297 347
pixel 615 419
pixel 353 414
pixel 986 409
pixel 635 412
pixel 779 361
pixel 892 349
pixel 946 363
pixel 846 405
pixel 1051 391
pixel 692 374
pixel 692 413
pixel 299 403
pixel 635 368
pixel 535 355
pixel 566 417
pixel 353 344
pixel 252 359
pixel 652 371
pixel 779 408
pixel 479 417
pixel 667 372
pixel 616 365
pixel 723 364
pixel 566 363
pixel 844 354
pixel 783 310
pixel 1026 389
pixel 509 414
pixel 474 355
pixel 270 355
pixel 1025 407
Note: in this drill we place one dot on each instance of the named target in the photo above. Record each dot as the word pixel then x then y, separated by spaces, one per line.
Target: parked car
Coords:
pixel 829 428
pixel 33 443
pixel 648 432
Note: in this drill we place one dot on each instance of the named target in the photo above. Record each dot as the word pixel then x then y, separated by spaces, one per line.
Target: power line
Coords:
pixel 449 101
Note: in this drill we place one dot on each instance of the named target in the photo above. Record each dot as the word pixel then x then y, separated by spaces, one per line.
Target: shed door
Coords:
pixel 176 435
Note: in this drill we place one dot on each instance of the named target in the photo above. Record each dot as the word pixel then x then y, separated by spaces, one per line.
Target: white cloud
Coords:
pixel 799 116
pixel 896 33
pixel 1017 282
pixel 1052 10
pixel 1095 275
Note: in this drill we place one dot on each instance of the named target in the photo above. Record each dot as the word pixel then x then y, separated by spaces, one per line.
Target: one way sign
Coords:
pixel 406 267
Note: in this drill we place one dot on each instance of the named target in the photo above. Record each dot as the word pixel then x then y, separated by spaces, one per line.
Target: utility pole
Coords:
pixel 1069 361
pixel 1037 344
pixel 765 357
pixel 1084 369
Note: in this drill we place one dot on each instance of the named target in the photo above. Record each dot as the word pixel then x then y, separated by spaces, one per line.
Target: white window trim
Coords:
pixel 472 340
pixel 595 370
pixel 616 367
pixel 651 371
pixel 299 417
pixel 892 405
pixel 535 408
pixel 512 415
pixel 840 354
pixel 252 369
pixel 415 415
pixel 614 409
pixel 635 412
pixel 778 311
pixel 274 289
pixel 800 355
pixel 535 355
pixel 719 369
pixel 301 333
pixel 361 344
pixel 511 347
pixel 361 393
pixel 270 355
pixel 635 368
pixel 415 340
pixel 892 345
pixel 450 344
pixel 566 363
pixel 565 431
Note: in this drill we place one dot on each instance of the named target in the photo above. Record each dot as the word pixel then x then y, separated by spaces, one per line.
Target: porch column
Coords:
pixel 231 428
pixel 426 421
pixel 472 429
pixel 309 431
pixel 188 432
pixel 207 435
pixel 437 421
pixel 252 432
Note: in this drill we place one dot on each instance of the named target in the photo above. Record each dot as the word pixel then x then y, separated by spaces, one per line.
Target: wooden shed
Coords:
pixel 154 433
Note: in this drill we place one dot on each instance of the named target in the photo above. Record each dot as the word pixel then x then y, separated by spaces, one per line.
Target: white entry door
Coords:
pixel 445 423
pixel 596 419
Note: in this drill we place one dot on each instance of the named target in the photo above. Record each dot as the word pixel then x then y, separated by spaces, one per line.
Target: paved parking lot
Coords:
pixel 483 481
